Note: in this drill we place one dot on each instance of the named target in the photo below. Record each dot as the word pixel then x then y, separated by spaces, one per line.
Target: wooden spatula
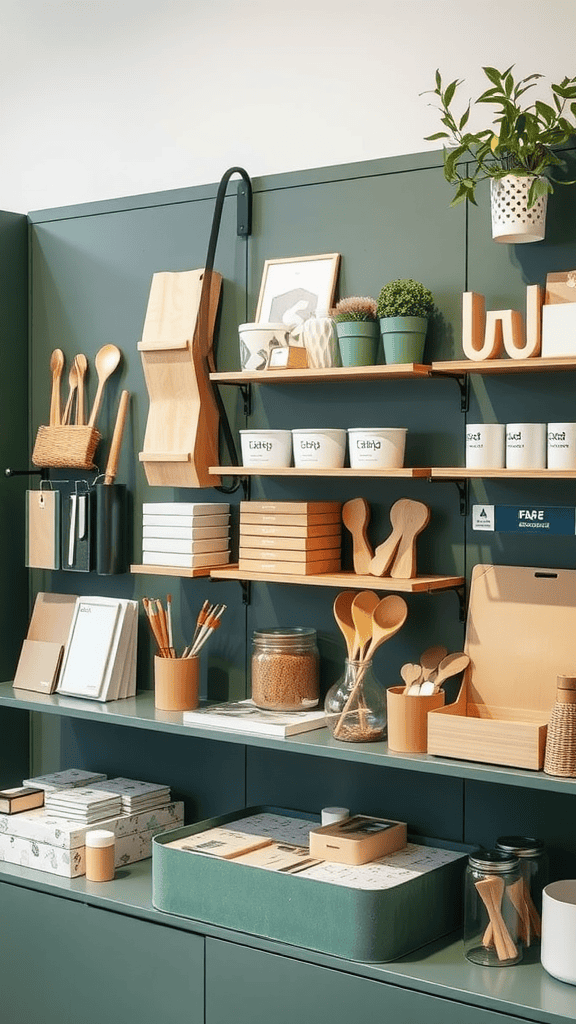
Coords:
pixel 414 517
pixel 356 516
pixel 384 554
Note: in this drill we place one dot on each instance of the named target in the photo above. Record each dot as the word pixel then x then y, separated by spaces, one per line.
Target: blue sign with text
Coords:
pixel 530 520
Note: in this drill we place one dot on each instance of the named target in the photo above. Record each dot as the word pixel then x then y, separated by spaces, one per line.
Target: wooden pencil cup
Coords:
pixel 176 683
pixel 408 719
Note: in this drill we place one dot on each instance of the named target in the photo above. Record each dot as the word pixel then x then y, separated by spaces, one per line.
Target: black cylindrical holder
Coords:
pixel 111 529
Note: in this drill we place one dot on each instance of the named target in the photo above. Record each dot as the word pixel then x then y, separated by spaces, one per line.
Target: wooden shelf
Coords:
pixel 538 364
pixel 348 580
pixel 407 473
pixel 169 570
pixel 396 371
pixel 462 473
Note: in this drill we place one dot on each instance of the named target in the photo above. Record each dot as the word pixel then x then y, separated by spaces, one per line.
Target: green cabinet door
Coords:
pixel 248 986
pixel 64 962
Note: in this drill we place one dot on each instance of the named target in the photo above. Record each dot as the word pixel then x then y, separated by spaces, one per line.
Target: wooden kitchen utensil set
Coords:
pixel 64 443
pixel 395 556
pixel 436 666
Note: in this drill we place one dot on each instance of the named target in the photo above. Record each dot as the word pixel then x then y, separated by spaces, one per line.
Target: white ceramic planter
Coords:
pixel 512 221
pixel 272 448
pixel 319 448
pixel 558 951
pixel 485 446
pixel 256 341
pixel 376 447
pixel 561 452
pixel 320 341
pixel 525 446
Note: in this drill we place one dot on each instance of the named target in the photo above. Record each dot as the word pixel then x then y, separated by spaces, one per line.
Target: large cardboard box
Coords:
pixel 345 911
pixel 520 635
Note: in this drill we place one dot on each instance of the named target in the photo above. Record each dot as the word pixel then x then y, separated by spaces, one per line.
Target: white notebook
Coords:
pixel 101 641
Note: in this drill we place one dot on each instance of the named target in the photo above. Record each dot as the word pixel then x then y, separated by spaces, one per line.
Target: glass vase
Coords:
pixel 355 706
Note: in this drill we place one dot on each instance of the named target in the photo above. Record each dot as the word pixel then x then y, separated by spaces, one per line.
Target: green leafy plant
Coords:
pixel 520 140
pixel 405 297
pixel 356 307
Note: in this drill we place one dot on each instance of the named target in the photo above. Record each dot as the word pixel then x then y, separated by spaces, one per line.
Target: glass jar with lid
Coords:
pixel 285 668
pixel 492 900
pixel 534 868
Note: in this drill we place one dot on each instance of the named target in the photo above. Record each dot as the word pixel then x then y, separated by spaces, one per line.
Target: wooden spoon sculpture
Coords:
pixel 56 369
pixel 107 360
pixel 355 516
pixel 414 518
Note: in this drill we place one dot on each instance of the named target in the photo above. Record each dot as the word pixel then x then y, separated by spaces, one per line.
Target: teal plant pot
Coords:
pixel 358 342
pixel 403 338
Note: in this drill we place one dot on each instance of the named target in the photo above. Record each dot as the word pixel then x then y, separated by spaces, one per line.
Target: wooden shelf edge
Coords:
pixel 463 473
pixel 169 570
pixel 347 580
pixel 345 471
pixel 537 364
pixel 333 373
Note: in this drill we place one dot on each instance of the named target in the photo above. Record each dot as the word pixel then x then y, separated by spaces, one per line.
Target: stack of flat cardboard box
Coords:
pixel 300 538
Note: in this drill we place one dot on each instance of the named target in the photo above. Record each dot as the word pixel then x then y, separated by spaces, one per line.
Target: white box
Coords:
pixel 559 329
pixel 41 827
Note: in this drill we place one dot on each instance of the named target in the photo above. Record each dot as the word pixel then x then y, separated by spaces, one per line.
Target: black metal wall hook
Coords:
pixel 243 229
pixel 42 473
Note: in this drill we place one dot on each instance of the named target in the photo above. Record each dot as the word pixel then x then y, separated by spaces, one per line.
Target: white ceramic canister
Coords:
pixel 525 446
pixel 377 447
pixel 271 448
pixel 558 952
pixel 256 341
pixel 561 452
pixel 485 446
pixel 319 448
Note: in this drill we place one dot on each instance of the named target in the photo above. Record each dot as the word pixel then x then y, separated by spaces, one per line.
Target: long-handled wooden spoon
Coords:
pixel 343 614
pixel 355 516
pixel 415 517
pixel 73 382
pixel 107 359
pixel 387 618
pixel 363 607
pixel 56 368
pixel 81 369
pixel 449 666
pixel 430 659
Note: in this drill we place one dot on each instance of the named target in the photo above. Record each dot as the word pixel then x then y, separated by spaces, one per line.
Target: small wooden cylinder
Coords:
pixel 408 719
pixel 176 683
pixel 100 848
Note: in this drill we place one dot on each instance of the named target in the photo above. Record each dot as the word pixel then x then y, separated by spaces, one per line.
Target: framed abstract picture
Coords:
pixel 293 289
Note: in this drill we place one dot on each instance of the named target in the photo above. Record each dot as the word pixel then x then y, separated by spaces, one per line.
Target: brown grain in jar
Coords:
pixel 285 668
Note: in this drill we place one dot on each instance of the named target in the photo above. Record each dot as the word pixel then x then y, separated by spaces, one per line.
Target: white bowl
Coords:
pixel 319 448
pixel 377 447
pixel 256 341
pixel 558 951
pixel 266 448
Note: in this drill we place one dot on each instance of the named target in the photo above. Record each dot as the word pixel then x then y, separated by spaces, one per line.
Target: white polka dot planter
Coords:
pixel 512 221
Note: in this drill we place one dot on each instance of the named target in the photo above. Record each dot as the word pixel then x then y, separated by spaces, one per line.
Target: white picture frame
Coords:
pixel 294 288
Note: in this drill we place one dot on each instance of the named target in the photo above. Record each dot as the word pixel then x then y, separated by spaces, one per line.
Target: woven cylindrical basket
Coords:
pixel 560 757
pixel 71 447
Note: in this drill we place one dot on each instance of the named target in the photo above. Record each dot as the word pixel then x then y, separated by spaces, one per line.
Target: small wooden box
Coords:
pixel 357 840
pixel 520 635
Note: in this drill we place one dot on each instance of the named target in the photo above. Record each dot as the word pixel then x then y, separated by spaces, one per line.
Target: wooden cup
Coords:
pixel 176 683
pixel 408 719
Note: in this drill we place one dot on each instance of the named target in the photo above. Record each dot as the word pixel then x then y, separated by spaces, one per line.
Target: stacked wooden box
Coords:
pixel 185 534
pixel 300 538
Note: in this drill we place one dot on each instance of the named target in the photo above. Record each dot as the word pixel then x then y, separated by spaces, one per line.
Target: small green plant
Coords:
pixel 405 297
pixel 520 140
pixel 357 307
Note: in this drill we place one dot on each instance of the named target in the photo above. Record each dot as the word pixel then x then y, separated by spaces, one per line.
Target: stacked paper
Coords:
pixel 68 779
pixel 84 804
pixel 100 657
pixel 137 796
pixel 189 534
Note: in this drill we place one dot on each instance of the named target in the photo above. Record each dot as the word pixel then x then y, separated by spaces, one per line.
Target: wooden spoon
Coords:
pixel 387 618
pixel 73 382
pixel 106 361
pixel 81 368
pixel 449 666
pixel 412 676
pixel 56 368
pixel 363 607
pixel 384 554
pixel 355 516
pixel 343 615
pixel 414 517
pixel 430 659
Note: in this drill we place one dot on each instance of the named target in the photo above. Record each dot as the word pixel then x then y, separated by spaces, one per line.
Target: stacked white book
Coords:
pixel 70 778
pixel 137 796
pixel 84 804
pixel 100 656
pixel 187 534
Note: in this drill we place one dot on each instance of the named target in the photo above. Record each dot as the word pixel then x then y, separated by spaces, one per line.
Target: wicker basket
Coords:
pixel 560 757
pixel 71 447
